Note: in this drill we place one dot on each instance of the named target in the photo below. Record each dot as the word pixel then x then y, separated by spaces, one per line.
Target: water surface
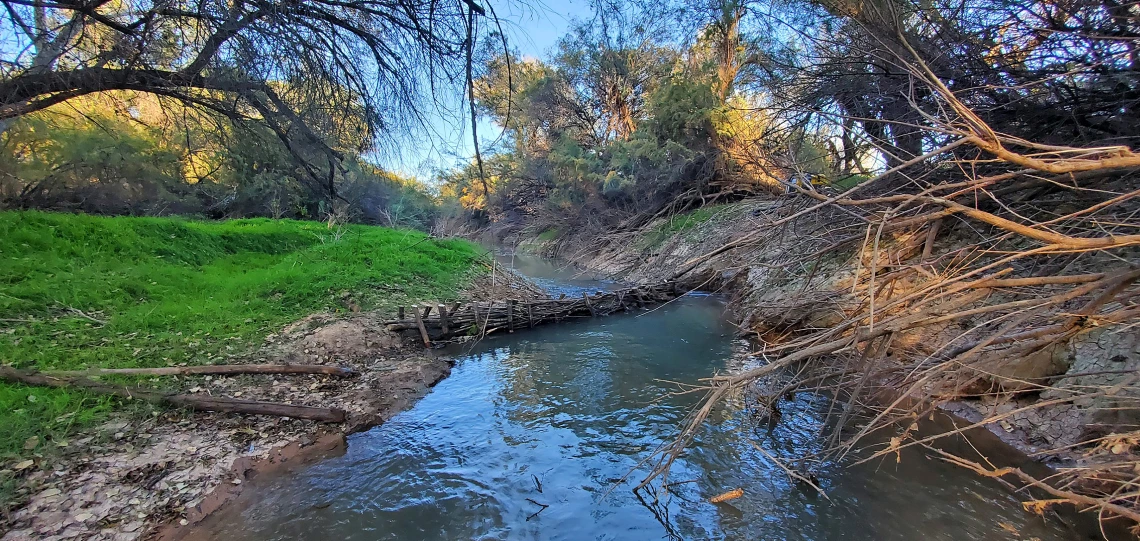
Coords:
pixel 557 415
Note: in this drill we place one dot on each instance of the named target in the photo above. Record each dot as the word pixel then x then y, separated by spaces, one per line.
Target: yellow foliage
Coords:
pixel 172 126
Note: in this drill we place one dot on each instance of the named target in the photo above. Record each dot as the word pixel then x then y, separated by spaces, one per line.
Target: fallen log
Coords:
pixel 194 402
pixel 338 371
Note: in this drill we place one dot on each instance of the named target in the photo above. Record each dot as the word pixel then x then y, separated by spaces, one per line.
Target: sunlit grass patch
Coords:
pixel 82 291
pixel 682 223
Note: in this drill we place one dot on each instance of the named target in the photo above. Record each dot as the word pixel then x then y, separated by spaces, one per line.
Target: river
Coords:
pixel 557 415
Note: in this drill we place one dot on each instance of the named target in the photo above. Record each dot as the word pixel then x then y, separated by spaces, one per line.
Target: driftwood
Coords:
pixel 194 402
pixel 338 371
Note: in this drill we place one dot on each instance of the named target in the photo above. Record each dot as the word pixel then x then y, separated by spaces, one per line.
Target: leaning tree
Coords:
pixel 304 68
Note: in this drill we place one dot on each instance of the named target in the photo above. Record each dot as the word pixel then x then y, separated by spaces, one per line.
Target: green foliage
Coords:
pixel 578 173
pixel 618 124
pixel 118 155
pixel 597 131
pixel 810 155
pixel 110 163
pixel 682 111
pixel 83 291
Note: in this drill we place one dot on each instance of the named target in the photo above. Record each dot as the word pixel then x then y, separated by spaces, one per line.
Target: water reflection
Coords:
pixel 555 277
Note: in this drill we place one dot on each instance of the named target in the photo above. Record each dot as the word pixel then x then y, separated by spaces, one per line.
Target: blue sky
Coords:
pixel 531 29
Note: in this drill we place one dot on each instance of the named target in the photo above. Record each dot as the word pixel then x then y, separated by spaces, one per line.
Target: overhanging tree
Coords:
pixel 293 65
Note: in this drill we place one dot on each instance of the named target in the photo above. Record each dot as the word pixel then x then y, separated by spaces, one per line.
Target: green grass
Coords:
pixel 848 182
pixel 548 235
pixel 677 224
pixel 82 291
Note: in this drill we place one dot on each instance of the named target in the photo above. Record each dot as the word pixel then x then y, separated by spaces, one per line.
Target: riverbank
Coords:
pixel 800 281
pixel 130 476
pixel 538 428
pixel 88 292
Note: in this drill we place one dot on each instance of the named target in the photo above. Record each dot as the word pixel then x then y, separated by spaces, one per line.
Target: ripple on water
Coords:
pixel 573 408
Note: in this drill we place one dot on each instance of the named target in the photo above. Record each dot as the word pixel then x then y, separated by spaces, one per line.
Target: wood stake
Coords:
pixel 530 315
pixel 511 315
pixel 475 311
pixel 931 235
pixel 420 324
pixel 443 318
pixel 427 310
pixel 400 313
pixel 588 305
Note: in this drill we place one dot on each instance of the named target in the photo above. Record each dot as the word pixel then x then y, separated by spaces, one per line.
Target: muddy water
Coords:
pixel 557 415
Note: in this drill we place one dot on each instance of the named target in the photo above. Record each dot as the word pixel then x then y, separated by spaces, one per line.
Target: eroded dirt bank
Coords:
pixel 1070 405
pixel 776 294
pixel 155 474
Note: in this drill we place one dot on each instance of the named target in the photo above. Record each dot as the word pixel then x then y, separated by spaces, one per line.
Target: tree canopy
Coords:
pixel 324 76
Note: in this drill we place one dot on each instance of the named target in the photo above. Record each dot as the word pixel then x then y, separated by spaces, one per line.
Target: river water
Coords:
pixel 557 415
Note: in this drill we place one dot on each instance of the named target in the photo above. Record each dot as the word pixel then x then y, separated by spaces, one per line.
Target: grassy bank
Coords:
pixel 680 224
pixel 85 291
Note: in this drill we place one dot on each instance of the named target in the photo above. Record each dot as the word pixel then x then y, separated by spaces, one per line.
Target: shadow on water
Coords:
pixel 532 429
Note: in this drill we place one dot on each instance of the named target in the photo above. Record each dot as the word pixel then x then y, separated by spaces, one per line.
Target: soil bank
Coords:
pixel 155 476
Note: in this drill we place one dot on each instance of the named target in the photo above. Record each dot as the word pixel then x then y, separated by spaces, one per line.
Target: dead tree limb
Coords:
pixel 220 369
pixel 194 402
